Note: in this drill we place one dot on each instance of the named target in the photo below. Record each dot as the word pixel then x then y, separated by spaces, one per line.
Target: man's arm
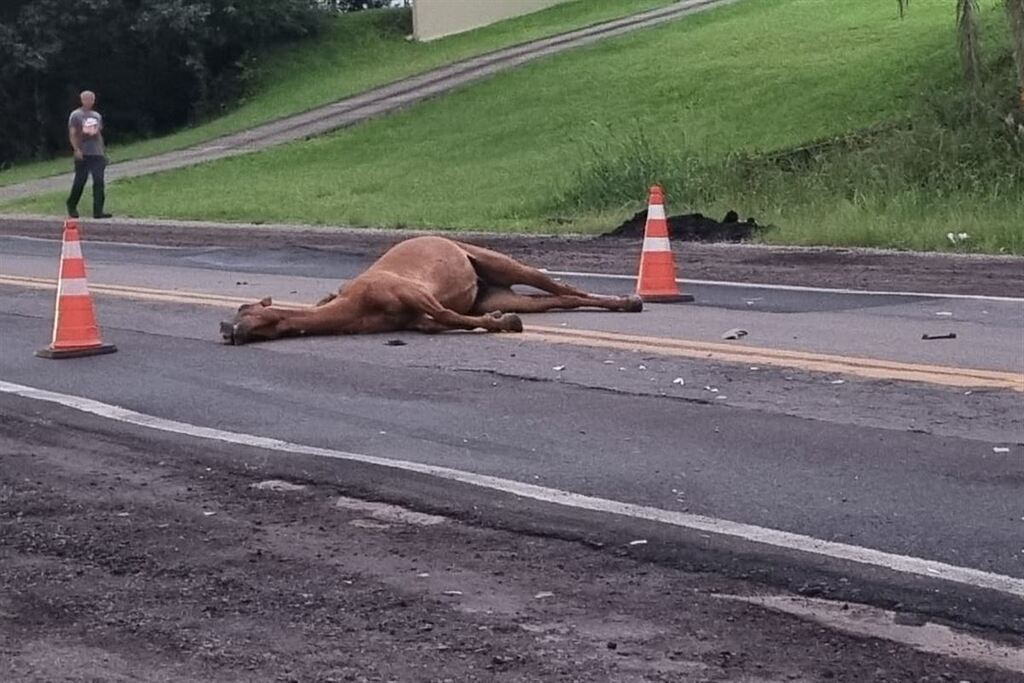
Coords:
pixel 75 136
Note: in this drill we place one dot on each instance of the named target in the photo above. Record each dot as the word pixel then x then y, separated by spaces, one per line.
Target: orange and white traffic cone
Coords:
pixel 75 332
pixel 656 280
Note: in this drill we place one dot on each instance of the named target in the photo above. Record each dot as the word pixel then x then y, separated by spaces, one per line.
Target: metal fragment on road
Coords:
pixel 1000 449
pixel 950 335
pixel 558 368
pixel 680 381
pixel 640 541
pixel 395 342
pixel 543 594
pixel 735 333
pixel 369 524
pixel 277 485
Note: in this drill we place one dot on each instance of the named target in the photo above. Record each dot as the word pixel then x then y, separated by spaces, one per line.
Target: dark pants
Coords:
pixel 93 165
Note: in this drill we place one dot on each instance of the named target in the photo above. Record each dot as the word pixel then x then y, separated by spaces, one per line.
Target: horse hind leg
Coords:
pixel 502 271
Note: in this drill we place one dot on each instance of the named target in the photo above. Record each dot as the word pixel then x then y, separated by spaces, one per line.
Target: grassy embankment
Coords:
pixel 356 52
pixel 571 142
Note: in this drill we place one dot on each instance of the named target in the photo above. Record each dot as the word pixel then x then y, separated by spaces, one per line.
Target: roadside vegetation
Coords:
pixel 351 53
pixel 836 123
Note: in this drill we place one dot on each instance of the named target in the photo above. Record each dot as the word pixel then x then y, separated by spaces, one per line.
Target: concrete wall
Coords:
pixel 436 18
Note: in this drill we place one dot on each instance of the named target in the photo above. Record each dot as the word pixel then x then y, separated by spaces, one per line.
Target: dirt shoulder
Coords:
pixel 818 267
pixel 135 559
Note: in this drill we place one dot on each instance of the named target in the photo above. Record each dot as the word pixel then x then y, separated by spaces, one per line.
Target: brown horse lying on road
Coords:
pixel 427 284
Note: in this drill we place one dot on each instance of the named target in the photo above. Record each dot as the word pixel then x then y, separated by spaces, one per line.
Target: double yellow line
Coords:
pixel 869 368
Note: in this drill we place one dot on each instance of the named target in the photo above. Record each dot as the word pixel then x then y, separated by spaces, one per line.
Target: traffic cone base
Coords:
pixel 50 352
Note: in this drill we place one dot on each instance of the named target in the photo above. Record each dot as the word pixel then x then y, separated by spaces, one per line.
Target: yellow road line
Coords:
pixel 145 293
pixel 871 368
pixel 753 355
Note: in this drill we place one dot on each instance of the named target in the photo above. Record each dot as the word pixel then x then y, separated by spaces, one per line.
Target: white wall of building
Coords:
pixel 436 18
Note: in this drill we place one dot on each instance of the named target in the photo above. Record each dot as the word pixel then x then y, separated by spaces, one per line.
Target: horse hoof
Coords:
pixel 227 333
pixel 634 304
pixel 512 323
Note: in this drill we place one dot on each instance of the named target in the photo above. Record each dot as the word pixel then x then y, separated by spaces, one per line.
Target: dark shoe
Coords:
pixel 103 215
pixel 72 213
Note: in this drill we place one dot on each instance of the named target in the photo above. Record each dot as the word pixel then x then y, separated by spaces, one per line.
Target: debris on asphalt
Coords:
pixel 711 389
pixel 369 524
pixel 640 541
pixel 754 367
pixel 543 594
pixel 950 335
pixel 558 368
pixel 735 333
pixel 838 381
pixel 395 342
pixel 609 362
pixel 388 513
pixel 452 593
pixel 123 514
pixel 693 227
pixel 208 513
pixel 423 575
pixel 1000 449
pixel 277 485
pixel 641 367
pixel 944 313
pixel 680 381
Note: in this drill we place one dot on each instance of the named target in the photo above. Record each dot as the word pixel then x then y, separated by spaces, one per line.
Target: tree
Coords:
pixel 156 64
pixel 968 37
pixel 1015 14
pixel 356 5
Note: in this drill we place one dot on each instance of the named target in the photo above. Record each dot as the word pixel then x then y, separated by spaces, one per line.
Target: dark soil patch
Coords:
pixel 694 227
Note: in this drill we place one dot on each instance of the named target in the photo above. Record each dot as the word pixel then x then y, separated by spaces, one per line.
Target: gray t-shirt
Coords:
pixel 88 124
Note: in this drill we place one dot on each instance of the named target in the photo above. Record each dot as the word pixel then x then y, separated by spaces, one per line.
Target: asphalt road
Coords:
pixel 916 471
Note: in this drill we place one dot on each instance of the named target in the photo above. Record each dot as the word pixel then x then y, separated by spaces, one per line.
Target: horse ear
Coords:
pixel 266 302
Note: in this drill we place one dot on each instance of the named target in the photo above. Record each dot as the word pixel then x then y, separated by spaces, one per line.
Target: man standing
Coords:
pixel 85 129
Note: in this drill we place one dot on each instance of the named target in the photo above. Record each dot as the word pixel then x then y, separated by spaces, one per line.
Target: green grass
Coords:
pixel 548 147
pixel 356 52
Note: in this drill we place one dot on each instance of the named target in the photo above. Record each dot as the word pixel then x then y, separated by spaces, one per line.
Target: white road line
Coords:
pixel 794 288
pixel 771 537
